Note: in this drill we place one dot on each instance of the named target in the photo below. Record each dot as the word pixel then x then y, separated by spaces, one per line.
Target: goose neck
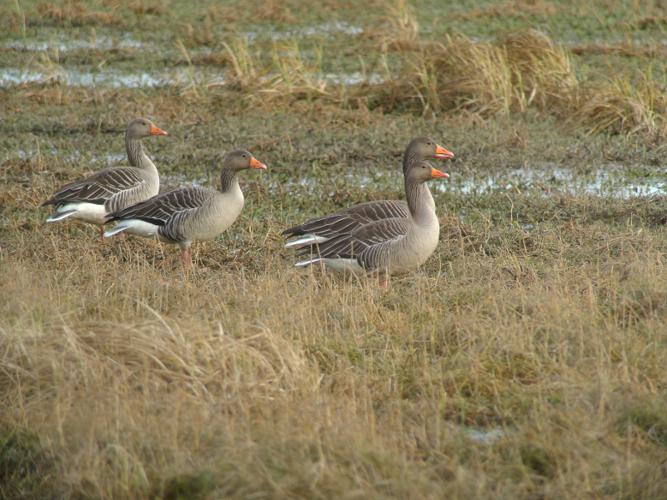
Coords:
pixel 136 154
pixel 410 157
pixel 228 180
pixel 420 201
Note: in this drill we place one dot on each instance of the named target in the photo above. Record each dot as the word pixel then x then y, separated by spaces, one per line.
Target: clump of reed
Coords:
pixel 521 71
pixel 287 73
pixel 401 28
pixel 621 105
pixel 542 72
pixel 488 78
pixel 513 74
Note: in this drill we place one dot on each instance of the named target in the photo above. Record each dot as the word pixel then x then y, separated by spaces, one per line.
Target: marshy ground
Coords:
pixel 526 359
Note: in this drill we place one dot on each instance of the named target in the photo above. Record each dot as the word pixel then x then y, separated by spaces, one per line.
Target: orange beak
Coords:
pixel 442 153
pixel 157 130
pixel 255 163
pixel 438 174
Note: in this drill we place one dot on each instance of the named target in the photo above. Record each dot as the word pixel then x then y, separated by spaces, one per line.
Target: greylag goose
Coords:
pixel 112 189
pixel 320 229
pixel 379 236
pixel 191 213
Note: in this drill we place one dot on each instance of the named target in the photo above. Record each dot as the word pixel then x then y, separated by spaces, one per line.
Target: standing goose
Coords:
pixel 321 229
pixel 386 244
pixel 112 189
pixel 191 213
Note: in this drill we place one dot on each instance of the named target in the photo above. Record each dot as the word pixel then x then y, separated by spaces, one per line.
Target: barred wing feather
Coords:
pixel 331 226
pixel 97 188
pixel 367 243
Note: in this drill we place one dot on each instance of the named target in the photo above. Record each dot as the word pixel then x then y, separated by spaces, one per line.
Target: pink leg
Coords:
pixel 186 257
pixel 101 233
pixel 384 281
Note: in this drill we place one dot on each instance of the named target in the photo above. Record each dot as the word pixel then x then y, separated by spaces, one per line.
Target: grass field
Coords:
pixel 526 359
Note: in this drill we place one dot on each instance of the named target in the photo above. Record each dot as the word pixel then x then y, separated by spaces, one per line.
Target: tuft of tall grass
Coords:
pixel 244 64
pixel 542 72
pixel 474 76
pixel 295 74
pixel 401 31
pixel 288 74
pixel 622 106
pixel 520 71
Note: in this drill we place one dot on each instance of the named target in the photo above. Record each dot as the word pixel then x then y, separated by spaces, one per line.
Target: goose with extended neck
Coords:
pixel 192 213
pixel 93 198
pixel 386 236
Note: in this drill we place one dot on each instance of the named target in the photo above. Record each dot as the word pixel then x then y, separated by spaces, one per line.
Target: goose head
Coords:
pixel 423 171
pixel 143 127
pixel 424 148
pixel 241 160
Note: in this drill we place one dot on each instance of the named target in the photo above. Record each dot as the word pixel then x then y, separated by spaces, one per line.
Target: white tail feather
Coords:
pixel 309 239
pixel 114 231
pixel 305 263
pixel 60 216
pixel 88 212
pixel 136 227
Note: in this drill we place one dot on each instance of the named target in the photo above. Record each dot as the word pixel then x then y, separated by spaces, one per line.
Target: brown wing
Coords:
pixel 97 188
pixel 162 208
pixel 350 219
pixel 365 243
pixel 168 210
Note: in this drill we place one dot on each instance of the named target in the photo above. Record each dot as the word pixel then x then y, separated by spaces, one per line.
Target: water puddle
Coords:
pixel 609 180
pixel 169 182
pixel 107 77
pixel 613 181
pixel 97 43
pixel 324 29
pixel 94 161
pixel 111 159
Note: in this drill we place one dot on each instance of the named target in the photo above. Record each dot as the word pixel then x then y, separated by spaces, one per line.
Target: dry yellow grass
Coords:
pixel 286 76
pixel 623 106
pixel 72 13
pixel 514 8
pixel 541 71
pixel 520 71
pixel 401 29
pixel 254 379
